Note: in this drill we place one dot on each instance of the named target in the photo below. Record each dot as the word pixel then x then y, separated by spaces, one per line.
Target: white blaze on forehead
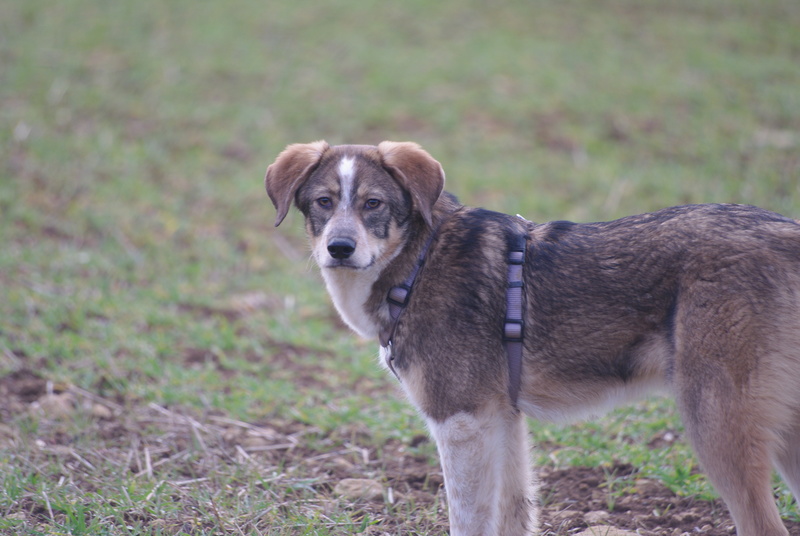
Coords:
pixel 347 173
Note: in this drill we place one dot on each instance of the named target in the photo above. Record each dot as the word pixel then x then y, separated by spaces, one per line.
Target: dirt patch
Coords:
pixel 579 497
pixel 234 307
pixel 190 452
pixel 22 386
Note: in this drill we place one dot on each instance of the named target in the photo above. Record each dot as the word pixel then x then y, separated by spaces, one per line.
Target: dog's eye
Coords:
pixel 324 202
pixel 373 203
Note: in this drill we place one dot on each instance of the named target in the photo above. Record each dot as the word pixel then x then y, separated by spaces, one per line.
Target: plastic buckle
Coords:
pixel 399 295
pixel 512 330
pixel 516 257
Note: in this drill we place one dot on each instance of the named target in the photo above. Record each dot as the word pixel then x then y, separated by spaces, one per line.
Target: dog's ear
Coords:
pixel 416 171
pixel 292 167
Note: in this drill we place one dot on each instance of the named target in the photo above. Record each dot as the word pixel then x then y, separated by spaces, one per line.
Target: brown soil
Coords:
pixel 574 498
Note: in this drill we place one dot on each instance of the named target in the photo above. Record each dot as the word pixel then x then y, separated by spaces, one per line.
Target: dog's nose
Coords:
pixel 341 248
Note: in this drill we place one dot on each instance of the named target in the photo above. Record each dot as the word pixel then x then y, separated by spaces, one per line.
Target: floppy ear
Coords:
pixel 292 167
pixel 416 171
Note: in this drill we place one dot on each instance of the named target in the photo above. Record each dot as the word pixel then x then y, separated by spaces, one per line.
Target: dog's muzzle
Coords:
pixel 341 248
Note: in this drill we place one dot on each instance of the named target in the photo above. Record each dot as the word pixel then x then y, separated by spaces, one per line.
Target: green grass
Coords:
pixel 133 222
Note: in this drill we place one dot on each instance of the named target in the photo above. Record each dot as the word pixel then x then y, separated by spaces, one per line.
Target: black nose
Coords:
pixel 341 248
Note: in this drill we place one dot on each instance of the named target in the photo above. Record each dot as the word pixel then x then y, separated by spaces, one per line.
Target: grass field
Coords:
pixel 169 362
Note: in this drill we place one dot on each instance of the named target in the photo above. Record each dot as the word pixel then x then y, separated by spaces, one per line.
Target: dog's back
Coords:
pixel 702 300
pixel 608 299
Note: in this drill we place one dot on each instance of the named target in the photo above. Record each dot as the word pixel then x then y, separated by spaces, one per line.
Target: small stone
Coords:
pixel 690 516
pixel 343 463
pixel 99 411
pixel 255 442
pixel 596 517
pixel 648 487
pixel 605 530
pixel 55 406
pixel 566 514
pixel 354 489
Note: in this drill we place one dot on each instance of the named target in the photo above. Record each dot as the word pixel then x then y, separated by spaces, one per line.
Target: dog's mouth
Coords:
pixel 348 264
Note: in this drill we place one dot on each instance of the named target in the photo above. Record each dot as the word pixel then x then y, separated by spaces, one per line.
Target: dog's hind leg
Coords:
pixel 736 449
pixel 787 460
pixel 488 478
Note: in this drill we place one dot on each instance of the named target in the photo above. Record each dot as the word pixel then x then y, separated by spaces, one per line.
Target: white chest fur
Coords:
pixel 349 290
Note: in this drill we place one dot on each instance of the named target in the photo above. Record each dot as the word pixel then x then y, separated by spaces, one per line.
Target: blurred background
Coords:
pixel 138 261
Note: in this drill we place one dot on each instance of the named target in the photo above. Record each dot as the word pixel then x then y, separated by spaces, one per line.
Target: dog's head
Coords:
pixel 358 201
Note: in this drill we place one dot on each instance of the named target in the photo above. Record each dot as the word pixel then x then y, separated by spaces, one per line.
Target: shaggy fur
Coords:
pixel 700 301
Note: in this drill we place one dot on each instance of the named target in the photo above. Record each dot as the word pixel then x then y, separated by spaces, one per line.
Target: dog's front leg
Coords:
pixel 488 479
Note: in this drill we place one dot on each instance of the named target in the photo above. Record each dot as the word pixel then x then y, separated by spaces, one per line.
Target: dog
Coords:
pixel 699 301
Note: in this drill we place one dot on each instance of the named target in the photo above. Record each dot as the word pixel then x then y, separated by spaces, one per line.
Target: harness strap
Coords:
pixel 514 321
pixel 398 299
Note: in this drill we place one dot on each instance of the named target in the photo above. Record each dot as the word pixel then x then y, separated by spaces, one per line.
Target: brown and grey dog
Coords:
pixel 700 301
